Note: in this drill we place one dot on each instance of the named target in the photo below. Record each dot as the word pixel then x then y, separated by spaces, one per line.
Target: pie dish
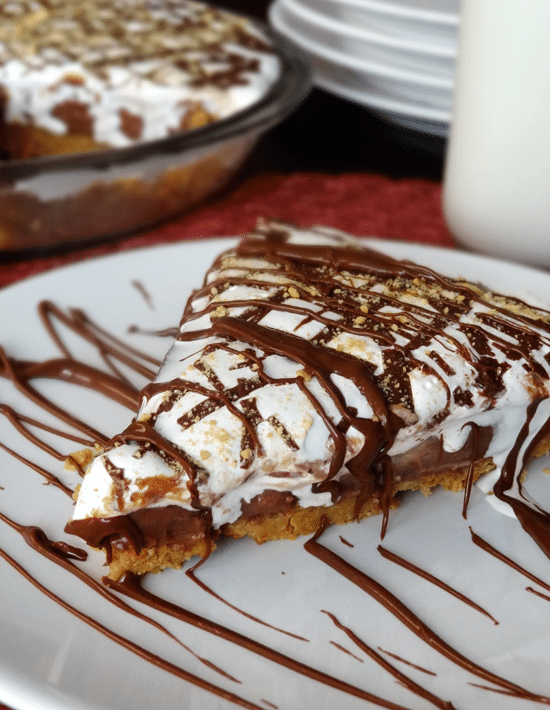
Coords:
pixel 118 115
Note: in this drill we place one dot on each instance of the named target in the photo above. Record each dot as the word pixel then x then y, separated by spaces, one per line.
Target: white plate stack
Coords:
pixel 394 56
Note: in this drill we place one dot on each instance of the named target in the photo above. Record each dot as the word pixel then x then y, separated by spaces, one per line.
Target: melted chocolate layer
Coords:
pixel 147 528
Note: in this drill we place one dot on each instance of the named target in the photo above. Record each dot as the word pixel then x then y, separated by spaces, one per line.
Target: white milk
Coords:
pixel 497 178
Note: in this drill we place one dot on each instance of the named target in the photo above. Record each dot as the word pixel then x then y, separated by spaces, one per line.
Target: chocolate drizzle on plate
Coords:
pixel 400 677
pixel 396 607
pixel 434 580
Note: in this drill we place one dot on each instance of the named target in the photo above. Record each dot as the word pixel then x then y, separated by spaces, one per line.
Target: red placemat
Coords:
pixel 362 204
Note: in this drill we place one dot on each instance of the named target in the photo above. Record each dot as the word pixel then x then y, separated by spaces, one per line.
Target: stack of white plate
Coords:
pixel 394 56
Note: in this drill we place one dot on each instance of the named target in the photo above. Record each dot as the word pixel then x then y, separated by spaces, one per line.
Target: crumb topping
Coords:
pixel 102 33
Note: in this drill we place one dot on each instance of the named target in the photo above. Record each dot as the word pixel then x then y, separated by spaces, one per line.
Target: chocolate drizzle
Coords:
pixel 191 574
pixel 396 607
pixel 130 645
pixel 378 435
pixel 484 545
pixel 131 586
pixel 434 580
pixel 62 555
pixel 400 677
pixel 535 522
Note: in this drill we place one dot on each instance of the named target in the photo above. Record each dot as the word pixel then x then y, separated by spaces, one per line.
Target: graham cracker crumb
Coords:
pixel 78 460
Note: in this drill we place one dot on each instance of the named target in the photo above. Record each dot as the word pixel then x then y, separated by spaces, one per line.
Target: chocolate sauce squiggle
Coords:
pixel 144 293
pixel 434 580
pixel 396 607
pixel 534 521
pixel 67 370
pixel 345 542
pixel 50 478
pixel 476 455
pixel 364 260
pixel 538 594
pixel 61 554
pixel 401 677
pixel 378 436
pixel 131 586
pixel 408 663
pixel 165 333
pixel 193 577
pixel 108 346
pixel 18 421
pixel 346 651
pixel 130 645
pixel 480 542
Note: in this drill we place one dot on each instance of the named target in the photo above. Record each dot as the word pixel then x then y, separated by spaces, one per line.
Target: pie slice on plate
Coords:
pixel 311 381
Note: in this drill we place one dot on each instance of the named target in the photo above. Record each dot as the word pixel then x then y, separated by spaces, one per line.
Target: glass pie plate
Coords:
pixel 56 201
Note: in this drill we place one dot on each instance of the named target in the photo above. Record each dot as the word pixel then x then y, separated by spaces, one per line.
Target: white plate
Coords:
pixel 358 44
pixel 379 95
pixel 279 18
pixel 408 115
pixel 50 660
pixel 348 31
pixel 433 12
pixel 383 19
pixel 439 129
pixel 435 7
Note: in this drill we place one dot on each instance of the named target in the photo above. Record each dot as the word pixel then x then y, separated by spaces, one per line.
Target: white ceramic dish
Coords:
pixel 358 43
pixel 437 28
pixel 50 660
pixel 349 30
pixel 439 129
pixel 280 20
pixel 422 104
pixel 435 7
pixel 423 101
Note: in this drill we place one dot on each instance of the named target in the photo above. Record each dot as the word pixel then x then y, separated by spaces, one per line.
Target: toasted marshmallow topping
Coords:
pixel 306 359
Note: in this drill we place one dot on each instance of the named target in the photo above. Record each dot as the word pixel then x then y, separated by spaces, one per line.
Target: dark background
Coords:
pixel 329 134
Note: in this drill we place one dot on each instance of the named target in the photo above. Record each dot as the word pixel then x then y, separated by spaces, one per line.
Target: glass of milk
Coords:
pixel 496 195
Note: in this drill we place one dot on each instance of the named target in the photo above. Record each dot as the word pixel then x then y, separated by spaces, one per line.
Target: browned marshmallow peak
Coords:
pixel 311 380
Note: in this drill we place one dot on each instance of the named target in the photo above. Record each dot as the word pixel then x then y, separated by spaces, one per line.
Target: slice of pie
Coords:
pixel 311 381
